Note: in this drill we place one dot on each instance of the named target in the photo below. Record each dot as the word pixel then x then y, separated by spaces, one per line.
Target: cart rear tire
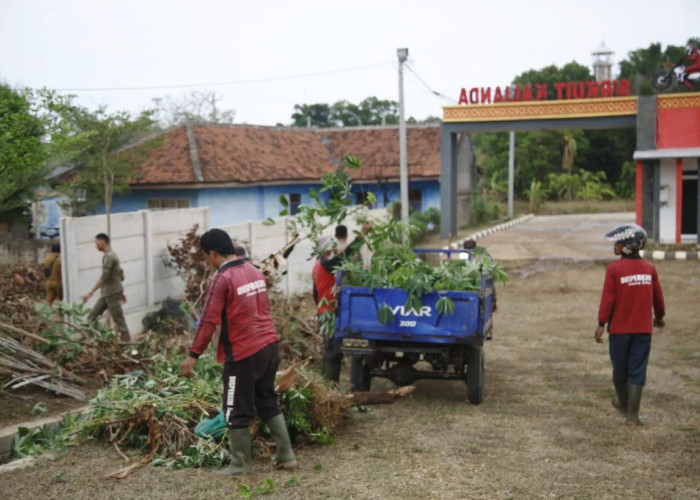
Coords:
pixel 360 379
pixel 475 375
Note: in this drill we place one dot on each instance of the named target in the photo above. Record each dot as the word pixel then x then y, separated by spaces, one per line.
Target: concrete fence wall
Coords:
pixel 22 250
pixel 140 239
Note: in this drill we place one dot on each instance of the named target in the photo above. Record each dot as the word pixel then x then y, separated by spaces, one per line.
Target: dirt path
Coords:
pixel 546 427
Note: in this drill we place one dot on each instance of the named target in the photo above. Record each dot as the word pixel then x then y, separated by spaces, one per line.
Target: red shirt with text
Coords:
pixel 630 292
pixel 237 300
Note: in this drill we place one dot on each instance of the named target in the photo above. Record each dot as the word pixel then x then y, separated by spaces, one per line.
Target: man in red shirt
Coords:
pixel 323 277
pixel 248 348
pixel 630 292
pixel 692 55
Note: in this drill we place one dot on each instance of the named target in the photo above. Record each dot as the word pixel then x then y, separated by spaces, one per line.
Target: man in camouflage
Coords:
pixel 111 289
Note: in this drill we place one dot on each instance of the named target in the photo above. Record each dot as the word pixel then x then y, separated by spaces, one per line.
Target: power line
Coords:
pixel 219 84
pixel 434 92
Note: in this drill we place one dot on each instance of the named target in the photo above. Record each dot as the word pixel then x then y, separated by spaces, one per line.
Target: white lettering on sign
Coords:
pixel 252 288
pixel 636 279
pixel 401 311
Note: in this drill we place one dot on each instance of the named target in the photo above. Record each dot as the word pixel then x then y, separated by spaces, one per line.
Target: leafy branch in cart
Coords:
pixel 394 264
pixel 313 219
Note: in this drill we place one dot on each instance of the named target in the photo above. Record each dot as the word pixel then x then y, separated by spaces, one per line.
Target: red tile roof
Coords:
pixel 239 154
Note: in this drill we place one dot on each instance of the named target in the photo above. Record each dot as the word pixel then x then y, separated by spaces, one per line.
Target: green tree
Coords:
pixel 641 64
pixel 312 115
pixel 625 185
pixel 106 163
pixel 22 153
pixel 539 154
pixel 570 72
pixel 370 111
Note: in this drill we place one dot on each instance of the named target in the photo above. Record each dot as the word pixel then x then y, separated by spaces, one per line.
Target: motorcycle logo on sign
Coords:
pixel 680 73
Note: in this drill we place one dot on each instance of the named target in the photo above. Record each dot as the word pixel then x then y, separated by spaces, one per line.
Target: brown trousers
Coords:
pixel 54 291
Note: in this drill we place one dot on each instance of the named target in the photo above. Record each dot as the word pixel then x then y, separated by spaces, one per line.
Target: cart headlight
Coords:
pixel 355 343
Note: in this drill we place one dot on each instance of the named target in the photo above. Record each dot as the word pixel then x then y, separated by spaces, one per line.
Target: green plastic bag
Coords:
pixel 211 428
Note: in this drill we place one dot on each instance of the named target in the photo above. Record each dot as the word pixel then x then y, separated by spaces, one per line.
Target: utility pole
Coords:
pixel 511 173
pixel 214 98
pixel 403 166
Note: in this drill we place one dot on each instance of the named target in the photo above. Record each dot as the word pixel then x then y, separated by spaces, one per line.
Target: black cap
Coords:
pixel 341 231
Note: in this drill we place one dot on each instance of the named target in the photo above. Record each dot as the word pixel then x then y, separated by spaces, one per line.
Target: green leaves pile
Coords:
pixel 394 265
pixel 156 413
pixel 397 266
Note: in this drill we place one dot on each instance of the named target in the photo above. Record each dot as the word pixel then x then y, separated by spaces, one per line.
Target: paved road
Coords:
pixel 577 237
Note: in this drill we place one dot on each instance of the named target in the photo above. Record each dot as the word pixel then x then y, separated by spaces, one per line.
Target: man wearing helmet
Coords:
pixel 692 54
pixel 630 292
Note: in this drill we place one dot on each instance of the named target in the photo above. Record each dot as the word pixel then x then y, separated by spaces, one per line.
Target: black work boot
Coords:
pixel 239 444
pixel 285 458
pixel 635 399
pixel 621 396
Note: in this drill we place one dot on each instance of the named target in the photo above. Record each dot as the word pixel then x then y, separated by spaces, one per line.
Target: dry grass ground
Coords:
pixel 546 428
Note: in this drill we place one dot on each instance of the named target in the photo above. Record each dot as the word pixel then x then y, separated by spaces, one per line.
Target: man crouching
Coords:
pixel 248 348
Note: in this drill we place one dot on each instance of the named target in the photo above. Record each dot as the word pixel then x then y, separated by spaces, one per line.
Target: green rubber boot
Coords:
pixel 285 458
pixel 635 399
pixel 330 370
pixel 621 397
pixel 239 444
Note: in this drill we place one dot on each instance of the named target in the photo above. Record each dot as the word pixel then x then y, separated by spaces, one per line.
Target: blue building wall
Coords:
pixel 231 205
pixel 138 200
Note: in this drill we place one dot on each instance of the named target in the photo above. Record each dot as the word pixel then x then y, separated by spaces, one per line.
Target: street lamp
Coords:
pixel 357 118
pixel 403 167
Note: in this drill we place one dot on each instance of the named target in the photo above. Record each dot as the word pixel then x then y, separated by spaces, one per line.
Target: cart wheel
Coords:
pixel 475 375
pixel 360 379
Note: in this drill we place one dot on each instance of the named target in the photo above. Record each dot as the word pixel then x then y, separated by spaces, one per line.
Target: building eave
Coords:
pixel 659 154
pixel 198 185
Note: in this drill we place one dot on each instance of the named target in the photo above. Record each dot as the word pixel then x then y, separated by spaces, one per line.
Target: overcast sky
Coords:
pixel 263 57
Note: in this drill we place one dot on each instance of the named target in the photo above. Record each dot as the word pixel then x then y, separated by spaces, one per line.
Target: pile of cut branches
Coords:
pixel 20 287
pixel 60 351
pixel 394 264
pixel 24 366
pixel 156 414
pixel 189 261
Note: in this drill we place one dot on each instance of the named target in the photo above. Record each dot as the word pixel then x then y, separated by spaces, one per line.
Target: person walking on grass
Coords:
pixel 237 300
pixel 110 287
pixel 630 293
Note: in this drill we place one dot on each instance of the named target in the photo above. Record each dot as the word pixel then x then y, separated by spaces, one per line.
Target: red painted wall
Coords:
pixel 678 128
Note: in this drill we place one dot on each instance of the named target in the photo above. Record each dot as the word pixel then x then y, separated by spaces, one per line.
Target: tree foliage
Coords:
pixel 106 163
pixel 640 65
pixel 570 72
pixel 22 152
pixel 370 111
pixel 312 115
pixel 540 156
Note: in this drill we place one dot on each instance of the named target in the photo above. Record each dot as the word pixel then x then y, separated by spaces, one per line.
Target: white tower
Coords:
pixel 602 62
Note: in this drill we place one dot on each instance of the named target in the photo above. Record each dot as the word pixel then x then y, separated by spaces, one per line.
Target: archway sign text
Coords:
pixel 540 91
